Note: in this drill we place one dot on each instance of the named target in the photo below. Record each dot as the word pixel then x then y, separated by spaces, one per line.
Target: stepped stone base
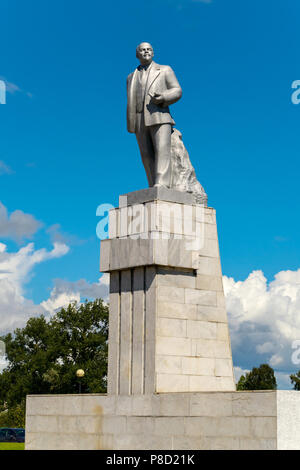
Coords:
pixel 216 420
pixel 170 375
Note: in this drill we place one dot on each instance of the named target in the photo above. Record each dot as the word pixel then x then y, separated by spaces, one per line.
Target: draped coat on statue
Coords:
pixel 161 80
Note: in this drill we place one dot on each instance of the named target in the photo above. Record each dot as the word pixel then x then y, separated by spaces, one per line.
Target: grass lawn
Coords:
pixel 12 446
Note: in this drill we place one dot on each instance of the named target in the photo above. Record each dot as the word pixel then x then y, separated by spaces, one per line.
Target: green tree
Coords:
pixel 43 356
pixel 260 378
pixel 13 417
pixel 295 380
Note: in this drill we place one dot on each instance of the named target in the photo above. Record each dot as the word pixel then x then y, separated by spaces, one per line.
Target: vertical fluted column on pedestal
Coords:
pixel 132 316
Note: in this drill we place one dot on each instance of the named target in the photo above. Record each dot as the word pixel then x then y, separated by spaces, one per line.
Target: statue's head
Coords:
pixel 144 52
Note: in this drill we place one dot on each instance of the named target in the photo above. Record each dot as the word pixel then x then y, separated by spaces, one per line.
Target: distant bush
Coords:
pixel 260 378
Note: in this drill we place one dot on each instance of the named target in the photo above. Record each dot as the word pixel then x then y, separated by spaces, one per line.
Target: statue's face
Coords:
pixel 145 53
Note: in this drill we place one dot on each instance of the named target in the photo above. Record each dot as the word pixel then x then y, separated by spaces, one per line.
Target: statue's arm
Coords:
pixel 174 91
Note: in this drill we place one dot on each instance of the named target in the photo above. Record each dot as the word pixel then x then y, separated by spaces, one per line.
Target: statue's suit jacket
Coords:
pixel 162 80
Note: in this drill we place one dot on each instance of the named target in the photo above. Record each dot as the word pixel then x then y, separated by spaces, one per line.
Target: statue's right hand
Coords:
pixel 158 99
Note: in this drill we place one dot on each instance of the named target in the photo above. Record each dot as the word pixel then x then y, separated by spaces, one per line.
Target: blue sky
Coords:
pixel 64 147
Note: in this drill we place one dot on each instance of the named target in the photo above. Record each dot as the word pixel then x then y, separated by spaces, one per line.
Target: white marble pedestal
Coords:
pixel 168 324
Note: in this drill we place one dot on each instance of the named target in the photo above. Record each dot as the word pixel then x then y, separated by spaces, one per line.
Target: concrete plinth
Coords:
pixel 216 420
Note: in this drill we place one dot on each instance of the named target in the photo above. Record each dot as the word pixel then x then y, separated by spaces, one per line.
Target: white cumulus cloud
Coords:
pixel 65 292
pixel 16 269
pixel 18 225
pixel 264 319
pixel 238 372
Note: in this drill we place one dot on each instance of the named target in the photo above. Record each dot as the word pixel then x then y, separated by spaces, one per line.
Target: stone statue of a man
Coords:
pixel 151 88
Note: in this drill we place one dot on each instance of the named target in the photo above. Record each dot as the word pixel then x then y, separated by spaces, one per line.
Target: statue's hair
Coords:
pixel 137 49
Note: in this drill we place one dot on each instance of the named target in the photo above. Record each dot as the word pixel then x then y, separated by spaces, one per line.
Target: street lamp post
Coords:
pixel 79 374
